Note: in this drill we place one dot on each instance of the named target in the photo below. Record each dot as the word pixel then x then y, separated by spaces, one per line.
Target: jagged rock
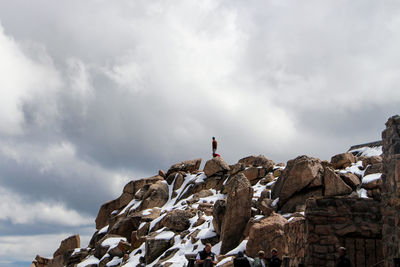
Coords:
pixel 162 173
pixel 156 196
pixel 235 168
pixel 42 261
pixel 155 247
pixel 300 173
pixel 71 242
pixel 266 206
pixel 374 184
pixel 215 165
pixel 350 179
pixel 277 172
pixel 128 194
pixel 179 179
pixel 219 214
pixel 258 161
pixel 253 174
pixel 77 257
pixel 125 226
pixel 178 220
pixel 343 160
pixel 334 185
pixel 374 168
pixel 185 166
pixel 238 211
pixel 298 200
pixel 150 215
pixel 267 234
pixel 371 160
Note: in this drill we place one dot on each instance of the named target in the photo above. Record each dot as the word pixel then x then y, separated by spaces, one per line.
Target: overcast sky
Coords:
pixel 96 93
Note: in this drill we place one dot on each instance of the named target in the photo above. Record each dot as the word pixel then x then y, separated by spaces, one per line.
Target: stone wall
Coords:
pixel 295 240
pixel 332 222
pixel 391 190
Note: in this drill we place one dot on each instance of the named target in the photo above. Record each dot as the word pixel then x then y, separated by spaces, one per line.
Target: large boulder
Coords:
pixel 125 226
pixel 350 179
pixel 267 234
pixel 185 166
pixel 254 174
pixel 343 160
pixel 334 185
pixel 178 220
pixel 258 161
pixel 157 245
pixel 238 211
pixel 300 173
pixel 297 202
pixel 127 195
pixel 156 196
pixel 215 166
pixel 69 243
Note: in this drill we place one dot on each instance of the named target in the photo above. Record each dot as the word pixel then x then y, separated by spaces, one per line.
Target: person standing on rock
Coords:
pixel 206 258
pixel 343 259
pixel 274 261
pixel 214 146
pixel 240 260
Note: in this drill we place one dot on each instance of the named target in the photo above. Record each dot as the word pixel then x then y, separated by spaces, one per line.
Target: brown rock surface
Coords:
pixel 350 179
pixel 156 196
pixel 219 214
pixel 215 165
pixel 238 211
pixel 254 174
pixel 178 220
pixel 185 166
pixel 343 160
pixel 71 242
pixel 299 173
pixel 267 234
pixel 155 247
pixel 128 194
pixel 258 161
pixel 334 185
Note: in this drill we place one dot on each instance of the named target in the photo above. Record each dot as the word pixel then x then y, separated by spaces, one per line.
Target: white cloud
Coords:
pixel 22 78
pixel 20 211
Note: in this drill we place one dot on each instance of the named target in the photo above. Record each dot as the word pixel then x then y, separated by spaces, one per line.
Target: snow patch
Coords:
pixel 371 177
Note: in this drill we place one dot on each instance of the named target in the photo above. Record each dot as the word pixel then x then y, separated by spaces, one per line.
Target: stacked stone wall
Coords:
pixel 332 222
pixel 391 191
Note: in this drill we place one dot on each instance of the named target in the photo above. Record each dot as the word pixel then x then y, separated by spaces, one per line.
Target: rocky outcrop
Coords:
pixel 238 211
pixel 189 166
pixel 341 161
pixel 258 161
pixel 350 179
pixel 156 196
pixel 178 220
pixel 156 246
pixel 216 166
pixel 301 174
pixel 219 215
pixel 267 234
pixel 127 195
pixel 69 243
pixel 334 185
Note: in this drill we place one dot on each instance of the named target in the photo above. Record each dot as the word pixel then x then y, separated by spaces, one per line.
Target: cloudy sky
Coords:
pixel 96 93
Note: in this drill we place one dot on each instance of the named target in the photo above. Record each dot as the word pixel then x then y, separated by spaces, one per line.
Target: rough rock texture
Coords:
pixel 128 194
pixel 219 215
pixel 350 179
pixel 254 174
pixel 215 165
pixel 155 247
pixel 298 201
pixel 71 242
pixel 300 173
pixel 267 234
pixel 185 166
pixel 238 211
pixel 374 168
pixel 178 220
pixel 334 185
pixel 258 161
pixel 156 196
pixel 125 226
pixel 341 161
